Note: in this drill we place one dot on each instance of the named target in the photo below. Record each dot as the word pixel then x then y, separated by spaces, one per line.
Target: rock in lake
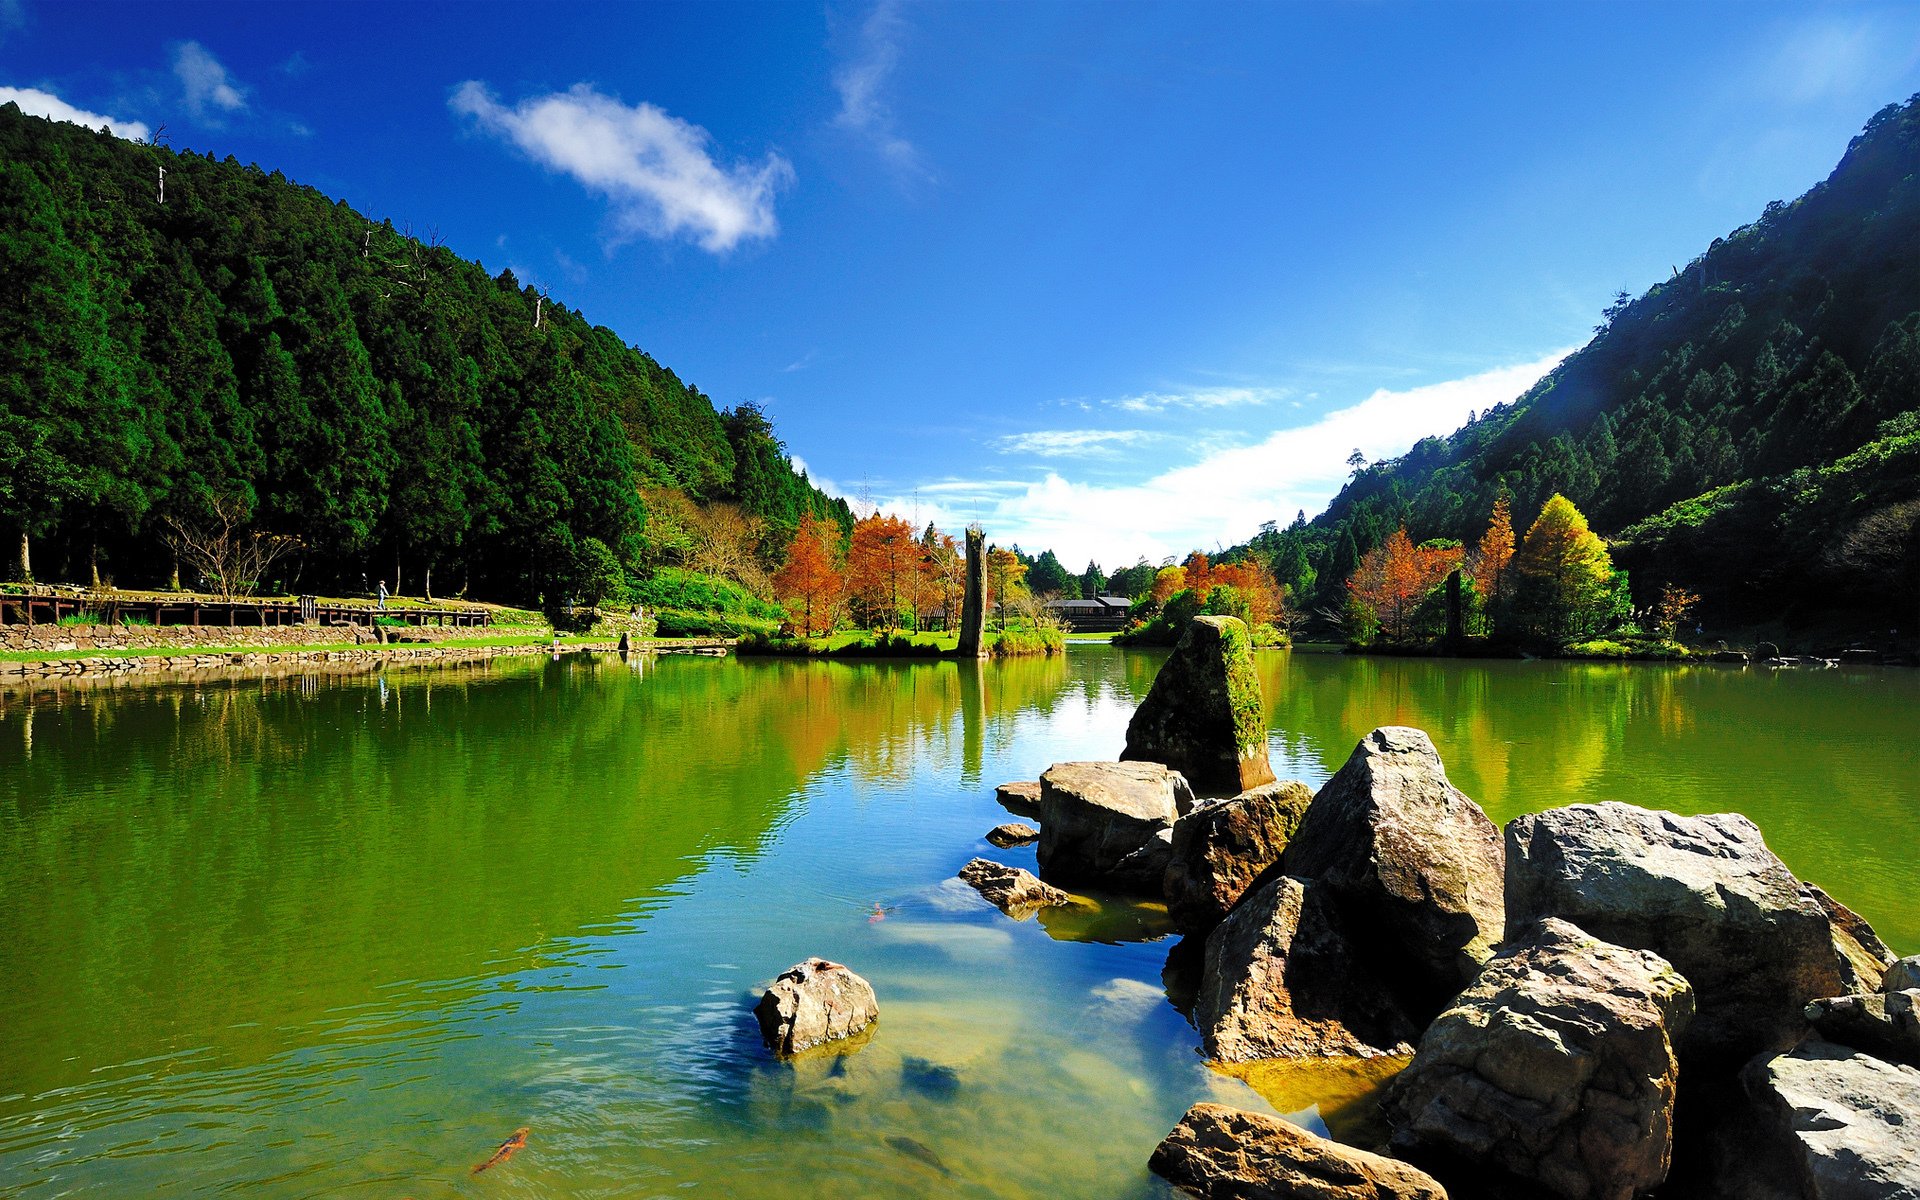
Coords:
pixel 1902 975
pixel 1013 833
pixel 1414 864
pixel 813 1003
pixel 1704 893
pixel 1851 1121
pixel 1204 716
pixel 1282 981
pixel 1221 1153
pixel 1100 822
pixel 1013 891
pixel 1555 1067
pixel 1884 1025
pixel 1222 846
pixel 1022 799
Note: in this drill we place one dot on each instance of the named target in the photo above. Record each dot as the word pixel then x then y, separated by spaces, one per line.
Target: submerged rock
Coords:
pixel 1884 1025
pixel 1222 846
pixel 1704 893
pixel 1022 799
pixel 1221 1153
pixel 1414 864
pixel 813 1003
pixel 1850 1121
pixel 1281 981
pixel 1102 822
pixel 1013 891
pixel 1204 716
pixel 1556 1067
pixel 1013 833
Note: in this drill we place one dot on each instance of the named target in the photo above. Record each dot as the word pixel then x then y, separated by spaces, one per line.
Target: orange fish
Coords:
pixel 507 1149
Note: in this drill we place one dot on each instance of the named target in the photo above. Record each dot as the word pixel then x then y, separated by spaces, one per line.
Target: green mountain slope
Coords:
pixel 376 396
pixel 1747 428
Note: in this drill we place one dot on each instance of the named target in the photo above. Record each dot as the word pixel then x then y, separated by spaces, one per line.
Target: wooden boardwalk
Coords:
pixel 49 608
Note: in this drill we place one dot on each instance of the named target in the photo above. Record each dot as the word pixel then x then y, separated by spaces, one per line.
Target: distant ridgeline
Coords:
pixel 1749 428
pixel 379 398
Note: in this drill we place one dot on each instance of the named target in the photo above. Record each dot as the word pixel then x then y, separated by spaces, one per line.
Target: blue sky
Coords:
pixel 1119 279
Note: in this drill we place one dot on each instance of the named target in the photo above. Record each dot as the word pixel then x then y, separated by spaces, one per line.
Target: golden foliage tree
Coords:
pixel 1562 574
pixel 810 583
pixel 1494 553
pixel 1006 579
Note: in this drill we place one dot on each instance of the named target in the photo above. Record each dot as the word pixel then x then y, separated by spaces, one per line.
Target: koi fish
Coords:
pixel 880 912
pixel 913 1148
pixel 507 1149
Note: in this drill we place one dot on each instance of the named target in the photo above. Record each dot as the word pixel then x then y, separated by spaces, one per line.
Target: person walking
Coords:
pixel 383 595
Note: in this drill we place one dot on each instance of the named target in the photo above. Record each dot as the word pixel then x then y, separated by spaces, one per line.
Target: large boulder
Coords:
pixel 1556 1067
pixel 813 1003
pixel 1021 798
pixel 1110 824
pixel 1415 865
pixel 1864 958
pixel 1221 1153
pixel 1851 1122
pixel 1222 846
pixel 1204 716
pixel 1885 1025
pixel 1010 889
pixel 1281 980
pixel 1704 893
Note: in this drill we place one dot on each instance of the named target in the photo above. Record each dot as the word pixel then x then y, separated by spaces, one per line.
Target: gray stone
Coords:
pixel 1022 799
pixel 1863 957
pixel 1222 846
pixel 1013 833
pixel 1204 716
pixel 1704 893
pixel 1882 1024
pixel 1013 891
pixel 1415 865
pixel 1555 1067
pixel 1099 822
pixel 813 1003
pixel 1282 981
pixel 1851 1121
pixel 1902 975
pixel 1221 1153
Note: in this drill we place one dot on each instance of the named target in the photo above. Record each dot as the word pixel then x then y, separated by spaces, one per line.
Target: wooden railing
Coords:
pixel 50 608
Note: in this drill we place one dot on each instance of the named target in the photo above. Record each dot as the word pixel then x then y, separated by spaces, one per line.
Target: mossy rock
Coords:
pixel 1205 716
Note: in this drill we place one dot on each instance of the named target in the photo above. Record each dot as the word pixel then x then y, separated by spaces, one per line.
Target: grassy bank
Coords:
pixel 863 643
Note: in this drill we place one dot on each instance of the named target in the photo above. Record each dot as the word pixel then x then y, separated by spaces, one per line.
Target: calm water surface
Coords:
pixel 341 935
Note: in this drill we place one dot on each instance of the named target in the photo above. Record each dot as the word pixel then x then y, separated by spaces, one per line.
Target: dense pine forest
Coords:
pixel 249 345
pixel 1748 429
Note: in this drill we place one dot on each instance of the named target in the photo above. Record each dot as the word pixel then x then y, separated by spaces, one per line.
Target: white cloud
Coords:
pixel 209 93
pixel 1070 443
pixel 1200 398
pixel 861 80
pixel 1223 498
pixel 655 168
pixel 46 104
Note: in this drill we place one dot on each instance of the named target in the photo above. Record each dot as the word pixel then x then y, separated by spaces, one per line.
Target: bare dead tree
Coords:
pixel 229 556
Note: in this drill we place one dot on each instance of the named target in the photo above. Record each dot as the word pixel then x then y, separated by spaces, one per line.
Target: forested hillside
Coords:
pixel 249 342
pixel 1749 428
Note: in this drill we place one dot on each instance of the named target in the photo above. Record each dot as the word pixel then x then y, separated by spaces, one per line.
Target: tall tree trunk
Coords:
pixel 93 563
pixel 174 581
pixel 429 582
pixel 23 567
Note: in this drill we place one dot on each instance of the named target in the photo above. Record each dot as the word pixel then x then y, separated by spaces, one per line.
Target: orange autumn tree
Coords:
pixel 883 561
pixel 810 583
pixel 1393 578
pixel 1494 553
pixel 1166 582
pixel 1255 585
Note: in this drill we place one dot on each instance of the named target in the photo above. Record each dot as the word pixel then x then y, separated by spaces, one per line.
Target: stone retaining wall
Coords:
pixel 56 639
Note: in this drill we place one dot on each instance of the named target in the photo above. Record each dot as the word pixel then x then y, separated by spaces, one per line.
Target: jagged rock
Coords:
pixel 1864 958
pixel 1555 1067
pixel 812 1003
pixel 1013 833
pixel 1022 799
pixel 1013 891
pixel 1415 865
pixel 1204 716
pixel 1222 846
pixel 1281 981
pixel 1902 976
pixel 1099 821
pixel 1704 893
pixel 1221 1153
pixel 1851 1121
pixel 1884 1025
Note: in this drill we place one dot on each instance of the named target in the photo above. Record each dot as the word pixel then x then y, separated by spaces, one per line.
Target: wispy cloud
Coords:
pixel 656 169
pixel 46 104
pixel 801 363
pixel 1835 56
pixel 210 94
pixel 861 79
pixel 1071 443
pixel 12 16
pixel 1223 497
pixel 1199 398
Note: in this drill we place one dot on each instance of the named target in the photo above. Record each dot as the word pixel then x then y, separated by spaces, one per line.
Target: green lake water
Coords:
pixel 340 935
